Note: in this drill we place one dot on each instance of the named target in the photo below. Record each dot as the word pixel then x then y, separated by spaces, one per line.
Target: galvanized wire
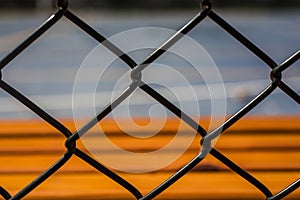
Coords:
pixel 71 138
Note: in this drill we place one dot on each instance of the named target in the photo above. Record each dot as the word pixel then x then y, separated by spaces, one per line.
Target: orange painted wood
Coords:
pixel 266 146
pixel 247 160
pixel 108 125
pixel 206 185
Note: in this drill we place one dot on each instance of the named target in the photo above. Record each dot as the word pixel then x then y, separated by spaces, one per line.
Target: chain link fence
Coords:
pixel 276 82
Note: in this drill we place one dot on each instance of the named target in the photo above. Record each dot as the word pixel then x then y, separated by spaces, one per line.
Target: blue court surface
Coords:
pixel 46 71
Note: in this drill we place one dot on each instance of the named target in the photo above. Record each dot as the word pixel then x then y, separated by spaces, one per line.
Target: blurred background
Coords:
pixel 45 72
pixel 155 4
pixel 266 143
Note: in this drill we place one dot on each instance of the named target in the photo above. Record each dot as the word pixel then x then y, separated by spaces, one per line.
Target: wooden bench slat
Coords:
pixel 226 141
pixel 267 160
pixel 210 185
pixel 268 147
pixel 108 125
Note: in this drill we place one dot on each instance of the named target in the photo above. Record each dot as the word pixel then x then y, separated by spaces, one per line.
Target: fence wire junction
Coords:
pixel 276 82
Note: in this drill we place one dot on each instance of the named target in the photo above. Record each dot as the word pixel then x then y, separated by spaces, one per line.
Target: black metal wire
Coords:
pixel 170 42
pixel 254 49
pixel 103 113
pixel 242 39
pixel 152 57
pixel 34 36
pixel 233 119
pixel 234 167
pixel 4 193
pixel 100 38
pixel 286 191
pixel 109 173
pixel 36 109
pixel 47 173
pixel 287 63
pixel 207 12
pixel 175 110
pixel 184 170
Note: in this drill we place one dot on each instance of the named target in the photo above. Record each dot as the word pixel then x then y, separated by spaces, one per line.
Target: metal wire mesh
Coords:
pixel 276 82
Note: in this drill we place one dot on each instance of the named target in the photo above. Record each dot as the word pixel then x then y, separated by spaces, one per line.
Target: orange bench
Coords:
pixel 266 147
